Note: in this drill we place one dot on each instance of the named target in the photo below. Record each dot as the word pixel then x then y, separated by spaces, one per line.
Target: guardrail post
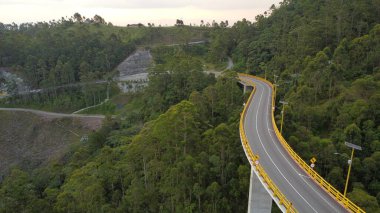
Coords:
pixel 259 200
pixel 288 209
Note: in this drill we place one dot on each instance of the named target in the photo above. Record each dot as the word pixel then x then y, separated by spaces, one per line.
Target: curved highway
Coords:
pixel 304 194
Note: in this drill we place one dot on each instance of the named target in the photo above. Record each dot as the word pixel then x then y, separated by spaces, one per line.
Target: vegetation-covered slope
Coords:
pixel 187 158
pixel 28 140
pixel 67 56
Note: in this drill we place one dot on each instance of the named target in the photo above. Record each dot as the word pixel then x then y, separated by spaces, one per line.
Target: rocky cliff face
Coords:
pixel 135 64
pixel 133 71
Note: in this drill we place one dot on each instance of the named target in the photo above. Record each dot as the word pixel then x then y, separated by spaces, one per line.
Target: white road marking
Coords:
pixel 273 161
pixel 291 164
pixel 303 176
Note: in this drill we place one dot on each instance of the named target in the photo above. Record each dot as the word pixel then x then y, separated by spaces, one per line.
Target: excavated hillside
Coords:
pixel 136 65
pixel 29 140
pixel 133 71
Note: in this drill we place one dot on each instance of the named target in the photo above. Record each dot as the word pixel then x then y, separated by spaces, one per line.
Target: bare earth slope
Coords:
pixel 136 65
pixel 30 139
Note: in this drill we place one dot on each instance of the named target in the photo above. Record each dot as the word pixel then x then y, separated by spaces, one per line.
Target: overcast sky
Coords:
pixel 122 12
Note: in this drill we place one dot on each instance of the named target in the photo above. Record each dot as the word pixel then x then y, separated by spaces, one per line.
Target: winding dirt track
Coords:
pixel 93 122
pixel 53 114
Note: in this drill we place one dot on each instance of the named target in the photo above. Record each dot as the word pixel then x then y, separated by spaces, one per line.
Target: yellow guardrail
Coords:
pixel 254 158
pixel 338 196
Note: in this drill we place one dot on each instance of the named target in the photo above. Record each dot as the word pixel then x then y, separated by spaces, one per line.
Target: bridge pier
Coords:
pixel 259 200
pixel 247 88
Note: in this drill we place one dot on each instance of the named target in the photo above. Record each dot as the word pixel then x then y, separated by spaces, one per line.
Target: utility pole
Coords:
pixel 353 146
pixel 264 67
pixel 108 90
pixel 265 74
pixel 282 113
pixel 275 88
pixel 275 78
pixel 275 91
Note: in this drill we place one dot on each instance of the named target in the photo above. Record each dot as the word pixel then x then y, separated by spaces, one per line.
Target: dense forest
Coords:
pixel 175 145
pixel 186 157
pixel 59 55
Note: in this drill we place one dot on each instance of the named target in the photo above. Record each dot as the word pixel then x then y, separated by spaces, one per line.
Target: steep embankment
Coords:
pixel 133 71
pixel 29 140
pixel 135 66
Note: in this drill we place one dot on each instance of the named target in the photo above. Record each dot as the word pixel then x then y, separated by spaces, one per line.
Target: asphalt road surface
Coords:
pixel 293 182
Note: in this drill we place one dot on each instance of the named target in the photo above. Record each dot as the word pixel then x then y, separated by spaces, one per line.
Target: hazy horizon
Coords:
pixel 121 12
